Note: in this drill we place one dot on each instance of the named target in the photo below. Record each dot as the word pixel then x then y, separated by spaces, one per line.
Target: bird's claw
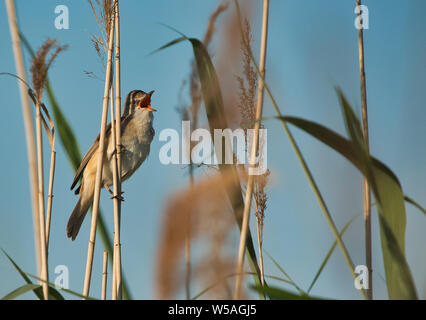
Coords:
pixel 120 198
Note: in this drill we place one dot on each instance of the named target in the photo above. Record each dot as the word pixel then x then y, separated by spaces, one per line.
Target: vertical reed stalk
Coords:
pixel 249 190
pixel 117 155
pixel 116 265
pixel 91 246
pixel 28 124
pixel 50 191
pixel 366 188
pixel 104 275
pixel 44 267
pixel 114 177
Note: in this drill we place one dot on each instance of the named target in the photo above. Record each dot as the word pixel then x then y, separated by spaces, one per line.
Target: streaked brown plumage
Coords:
pixel 136 136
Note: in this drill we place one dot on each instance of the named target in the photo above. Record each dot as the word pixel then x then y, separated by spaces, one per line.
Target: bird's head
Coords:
pixel 138 99
pixel 144 101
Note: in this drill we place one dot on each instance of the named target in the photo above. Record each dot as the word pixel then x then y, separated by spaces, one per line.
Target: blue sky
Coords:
pixel 312 48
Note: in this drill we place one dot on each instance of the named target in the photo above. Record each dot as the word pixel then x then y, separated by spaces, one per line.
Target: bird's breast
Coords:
pixel 136 140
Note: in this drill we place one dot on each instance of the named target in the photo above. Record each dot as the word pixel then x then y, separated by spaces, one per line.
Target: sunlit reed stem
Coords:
pixel 97 191
pixel 104 275
pixel 28 125
pixel 117 131
pixel 40 173
pixel 116 265
pixel 50 191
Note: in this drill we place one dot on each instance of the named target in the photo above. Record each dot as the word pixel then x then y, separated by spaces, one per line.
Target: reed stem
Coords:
pixel 50 192
pixel 117 155
pixel 98 184
pixel 28 125
pixel 116 265
pixel 40 172
pixel 249 190
pixel 104 275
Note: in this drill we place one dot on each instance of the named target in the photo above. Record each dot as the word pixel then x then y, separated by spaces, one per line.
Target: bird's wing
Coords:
pixel 124 121
pixel 88 156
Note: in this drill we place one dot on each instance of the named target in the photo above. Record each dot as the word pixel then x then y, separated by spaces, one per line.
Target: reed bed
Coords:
pixel 217 202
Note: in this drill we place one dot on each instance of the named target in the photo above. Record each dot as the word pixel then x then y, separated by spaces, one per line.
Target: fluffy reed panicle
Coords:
pixel 228 60
pixel 247 108
pixel 248 82
pixel 261 199
pixel 41 65
pixel 211 224
pixel 102 11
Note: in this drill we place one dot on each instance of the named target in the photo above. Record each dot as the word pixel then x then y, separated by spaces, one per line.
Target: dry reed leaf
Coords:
pixel 206 211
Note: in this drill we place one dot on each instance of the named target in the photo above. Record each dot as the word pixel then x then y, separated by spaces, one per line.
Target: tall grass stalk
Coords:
pixel 40 174
pixel 52 138
pixel 104 275
pixel 254 151
pixel 116 283
pixel 117 156
pixel 97 192
pixel 28 125
pixel 50 191
pixel 366 188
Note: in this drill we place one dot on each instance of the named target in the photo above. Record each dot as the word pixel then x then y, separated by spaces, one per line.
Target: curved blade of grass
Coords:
pixel 74 293
pixel 233 275
pixel 53 293
pixel 391 206
pixel 281 294
pixel 328 255
pixel 286 274
pixel 390 203
pixel 213 103
pixel 414 203
pixel 20 291
pixel 72 149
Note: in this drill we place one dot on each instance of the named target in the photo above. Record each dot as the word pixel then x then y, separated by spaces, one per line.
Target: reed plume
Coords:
pixel 39 68
pixel 247 107
pixel 211 224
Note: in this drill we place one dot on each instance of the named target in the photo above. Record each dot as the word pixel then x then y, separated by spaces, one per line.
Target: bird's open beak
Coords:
pixel 150 108
pixel 147 101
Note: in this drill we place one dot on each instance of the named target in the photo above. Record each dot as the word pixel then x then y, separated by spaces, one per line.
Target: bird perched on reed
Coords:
pixel 137 134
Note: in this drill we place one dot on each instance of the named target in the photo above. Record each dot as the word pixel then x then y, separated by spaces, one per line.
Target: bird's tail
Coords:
pixel 78 214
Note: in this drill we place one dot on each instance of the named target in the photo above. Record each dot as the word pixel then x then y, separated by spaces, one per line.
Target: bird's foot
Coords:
pixel 120 198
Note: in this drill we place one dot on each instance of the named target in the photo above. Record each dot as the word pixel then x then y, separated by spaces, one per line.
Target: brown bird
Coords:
pixel 137 134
